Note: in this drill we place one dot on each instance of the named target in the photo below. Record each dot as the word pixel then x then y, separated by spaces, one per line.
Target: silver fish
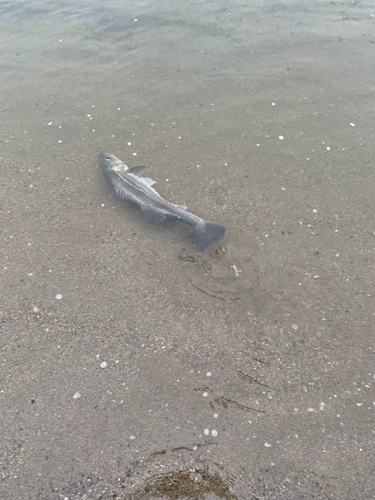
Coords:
pixel 131 187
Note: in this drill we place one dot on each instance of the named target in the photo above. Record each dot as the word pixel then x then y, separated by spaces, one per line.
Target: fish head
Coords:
pixel 109 162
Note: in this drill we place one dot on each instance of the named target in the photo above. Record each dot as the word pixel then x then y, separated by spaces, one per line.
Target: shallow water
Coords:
pixel 132 366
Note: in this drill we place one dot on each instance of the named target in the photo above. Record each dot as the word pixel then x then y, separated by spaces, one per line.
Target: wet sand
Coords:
pixel 133 367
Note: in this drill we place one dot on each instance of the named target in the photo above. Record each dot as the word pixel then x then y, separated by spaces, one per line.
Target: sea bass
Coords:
pixel 139 190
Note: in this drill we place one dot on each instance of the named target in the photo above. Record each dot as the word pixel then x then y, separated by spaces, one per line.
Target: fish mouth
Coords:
pixel 109 162
pixel 106 158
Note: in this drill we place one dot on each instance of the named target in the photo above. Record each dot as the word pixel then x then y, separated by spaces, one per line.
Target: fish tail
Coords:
pixel 205 232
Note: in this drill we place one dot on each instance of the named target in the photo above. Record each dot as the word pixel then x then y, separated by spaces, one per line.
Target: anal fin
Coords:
pixel 151 215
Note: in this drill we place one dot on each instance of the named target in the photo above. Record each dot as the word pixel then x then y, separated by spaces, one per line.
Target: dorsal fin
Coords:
pixel 136 170
pixel 148 181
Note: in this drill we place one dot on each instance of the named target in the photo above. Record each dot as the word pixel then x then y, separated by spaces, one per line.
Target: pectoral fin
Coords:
pixel 151 215
pixel 121 194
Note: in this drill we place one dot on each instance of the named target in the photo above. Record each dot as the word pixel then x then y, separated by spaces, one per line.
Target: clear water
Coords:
pixel 255 115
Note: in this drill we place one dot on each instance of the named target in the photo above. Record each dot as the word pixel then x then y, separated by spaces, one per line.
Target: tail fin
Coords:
pixel 205 233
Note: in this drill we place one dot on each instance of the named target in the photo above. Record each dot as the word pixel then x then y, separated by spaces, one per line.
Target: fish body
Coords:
pixel 131 187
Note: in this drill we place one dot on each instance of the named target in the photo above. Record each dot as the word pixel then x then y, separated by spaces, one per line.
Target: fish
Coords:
pixel 129 186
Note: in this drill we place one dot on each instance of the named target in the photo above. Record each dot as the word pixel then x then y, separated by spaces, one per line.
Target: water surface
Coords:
pixel 130 364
